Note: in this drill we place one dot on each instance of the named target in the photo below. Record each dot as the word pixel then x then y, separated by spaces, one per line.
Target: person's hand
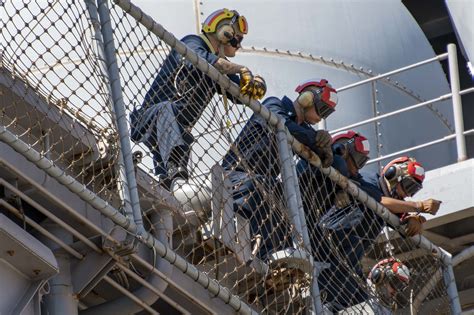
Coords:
pixel 342 199
pixel 326 156
pixel 259 88
pixel 246 81
pixel 323 139
pixel 414 224
pixel 430 206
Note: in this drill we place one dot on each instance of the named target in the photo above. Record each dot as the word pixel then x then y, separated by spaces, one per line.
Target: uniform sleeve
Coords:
pixel 369 184
pixel 196 43
pixel 303 133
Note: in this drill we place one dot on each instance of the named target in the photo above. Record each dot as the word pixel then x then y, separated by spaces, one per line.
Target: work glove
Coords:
pixel 326 156
pixel 414 224
pixel 342 199
pixel 430 206
pixel 259 88
pixel 246 81
pixel 253 86
pixel 323 139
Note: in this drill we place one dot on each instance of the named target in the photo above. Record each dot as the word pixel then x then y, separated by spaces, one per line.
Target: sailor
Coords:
pixel 348 226
pixel 252 162
pixel 389 280
pixel 180 93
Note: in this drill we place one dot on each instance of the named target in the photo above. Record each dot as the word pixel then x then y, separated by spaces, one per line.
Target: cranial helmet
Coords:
pixel 225 32
pixel 389 279
pixel 406 171
pixel 356 145
pixel 323 97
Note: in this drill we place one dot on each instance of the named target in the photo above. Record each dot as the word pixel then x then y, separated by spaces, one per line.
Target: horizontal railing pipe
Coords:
pixel 427 144
pixel 41 230
pixel 405 109
pixel 387 74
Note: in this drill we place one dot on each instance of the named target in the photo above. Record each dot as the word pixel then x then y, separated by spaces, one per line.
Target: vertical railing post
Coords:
pixel 295 208
pixel 457 103
pixel 119 110
pixel 119 166
pixel 450 282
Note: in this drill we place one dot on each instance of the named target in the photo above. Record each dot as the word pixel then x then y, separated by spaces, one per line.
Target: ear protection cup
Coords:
pixel 340 149
pixel 392 172
pixel 306 100
pixel 376 276
pixel 225 33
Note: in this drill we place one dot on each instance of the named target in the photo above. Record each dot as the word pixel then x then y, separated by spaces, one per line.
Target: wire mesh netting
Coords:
pixel 221 182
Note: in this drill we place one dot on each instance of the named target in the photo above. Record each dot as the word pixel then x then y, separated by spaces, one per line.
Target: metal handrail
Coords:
pixel 405 109
pixel 424 145
pixel 387 74
pixel 455 95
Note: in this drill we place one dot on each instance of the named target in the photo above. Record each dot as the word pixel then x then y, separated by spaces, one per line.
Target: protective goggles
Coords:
pixel 235 41
pixel 410 185
pixel 210 24
pixel 325 98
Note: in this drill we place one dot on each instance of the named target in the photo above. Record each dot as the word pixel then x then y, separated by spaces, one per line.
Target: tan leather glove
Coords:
pixel 259 88
pixel 414 224
pixel 342 199
pixel 430 206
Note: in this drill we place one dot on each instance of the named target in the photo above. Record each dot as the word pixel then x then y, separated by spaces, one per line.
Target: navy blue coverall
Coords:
pixel 188 90
pixel 339 288
pixel 254 171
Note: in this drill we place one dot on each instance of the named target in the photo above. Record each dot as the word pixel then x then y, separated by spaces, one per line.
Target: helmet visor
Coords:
pixel 410 185
pixel 360 159
pixel 323 109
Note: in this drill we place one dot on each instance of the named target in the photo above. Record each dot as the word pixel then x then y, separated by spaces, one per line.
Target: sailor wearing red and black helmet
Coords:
pixel 252 162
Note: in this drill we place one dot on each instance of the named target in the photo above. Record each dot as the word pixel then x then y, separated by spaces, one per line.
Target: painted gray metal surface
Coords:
pixel 462 15
pixel 25 263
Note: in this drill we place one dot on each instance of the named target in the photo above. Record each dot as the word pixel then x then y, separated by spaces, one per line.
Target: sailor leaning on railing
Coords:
pixel 181 92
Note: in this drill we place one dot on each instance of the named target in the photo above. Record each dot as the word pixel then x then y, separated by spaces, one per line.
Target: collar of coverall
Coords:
pixel 288 105
pixel 208 43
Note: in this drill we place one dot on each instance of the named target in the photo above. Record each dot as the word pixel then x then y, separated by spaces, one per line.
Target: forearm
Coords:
pixel 227 67
pixel 399 206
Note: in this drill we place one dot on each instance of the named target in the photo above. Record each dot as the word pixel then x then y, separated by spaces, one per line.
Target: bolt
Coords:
pixel 36 271
pixel 10 252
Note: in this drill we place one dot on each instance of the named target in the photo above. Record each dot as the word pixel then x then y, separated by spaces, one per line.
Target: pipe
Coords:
pixel 119 166
pixel 55 219
pixel 160 294
pixel 295 208
pixel 61 299
pixel 387 74
pixel 405 109
pixel 130 296
pixel 119 112
pixel 457 103
pixel 42 230
pixel 427 144
pixel 450 283
pixel 163 227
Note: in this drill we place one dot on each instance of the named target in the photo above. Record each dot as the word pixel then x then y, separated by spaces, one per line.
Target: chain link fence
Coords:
pixel 231 216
